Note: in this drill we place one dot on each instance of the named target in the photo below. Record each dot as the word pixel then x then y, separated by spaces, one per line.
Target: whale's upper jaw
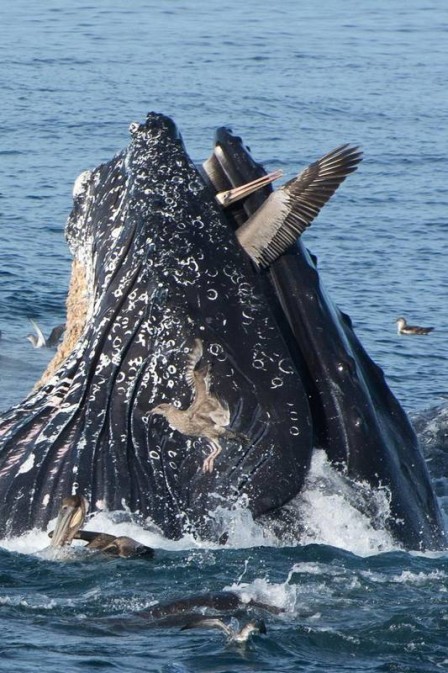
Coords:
pixel 135 185
pixel 157 138
pixel 157 126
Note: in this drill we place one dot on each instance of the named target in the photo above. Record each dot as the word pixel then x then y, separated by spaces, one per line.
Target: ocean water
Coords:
pixel 294 79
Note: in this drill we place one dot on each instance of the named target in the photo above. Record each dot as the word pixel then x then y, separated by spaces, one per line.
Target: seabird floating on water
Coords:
pixel 40 341
pixel 404 328
pixel 233 635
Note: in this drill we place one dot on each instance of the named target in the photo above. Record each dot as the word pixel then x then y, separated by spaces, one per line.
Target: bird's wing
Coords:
pixel 40 337
pixel 290 210
pixel 192 361
pixel 201 386
pixel 208 623
pixel 95 540
pixel 55 335
pixel 221 413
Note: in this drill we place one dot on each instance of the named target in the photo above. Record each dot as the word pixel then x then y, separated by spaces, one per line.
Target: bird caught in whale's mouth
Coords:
pixel 70 519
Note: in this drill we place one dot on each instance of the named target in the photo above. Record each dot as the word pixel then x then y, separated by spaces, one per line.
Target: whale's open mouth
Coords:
pixel 202 360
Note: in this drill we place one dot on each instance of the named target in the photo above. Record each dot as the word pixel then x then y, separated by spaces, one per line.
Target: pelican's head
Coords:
pixel 71 517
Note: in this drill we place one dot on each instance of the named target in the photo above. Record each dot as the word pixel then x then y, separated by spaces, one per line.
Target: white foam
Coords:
pixel 330 515
pixel 329 511
pixel 242 530
pixel 28 543
pixel 281 595
pixel 409 577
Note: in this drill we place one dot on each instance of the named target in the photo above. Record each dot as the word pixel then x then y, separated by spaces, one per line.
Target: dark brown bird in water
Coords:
pixel 206 416
pixel 122 546
pixel 404 328
pixel 72 517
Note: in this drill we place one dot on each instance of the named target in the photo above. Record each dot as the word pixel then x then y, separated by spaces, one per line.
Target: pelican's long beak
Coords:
pixel 70 519
pixel 230 196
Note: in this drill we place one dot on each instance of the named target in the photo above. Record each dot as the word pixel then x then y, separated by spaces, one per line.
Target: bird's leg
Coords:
pixel 209 462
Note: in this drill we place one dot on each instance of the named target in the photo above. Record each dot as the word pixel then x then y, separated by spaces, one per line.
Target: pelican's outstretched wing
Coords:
pixel 198 622
pixel 289 210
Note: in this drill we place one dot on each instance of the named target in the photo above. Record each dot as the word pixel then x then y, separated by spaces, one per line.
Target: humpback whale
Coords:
pixel 160 267
pixel 356 418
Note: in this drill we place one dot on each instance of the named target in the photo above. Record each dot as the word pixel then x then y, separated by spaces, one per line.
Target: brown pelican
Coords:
pixel 122 546
pixel 206 416
pixel 39 341
pixel 233 635
pixel 71 518
pixel 404 328
pixel 289 210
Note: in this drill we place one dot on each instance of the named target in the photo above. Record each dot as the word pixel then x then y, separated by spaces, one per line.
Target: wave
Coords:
pixel 329 511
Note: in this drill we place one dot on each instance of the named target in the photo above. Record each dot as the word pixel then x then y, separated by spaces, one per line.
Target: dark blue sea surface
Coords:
pixel 294 79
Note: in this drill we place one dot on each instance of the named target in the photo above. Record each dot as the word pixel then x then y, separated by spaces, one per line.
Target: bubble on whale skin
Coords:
pixel 133 127
pixel 212 294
